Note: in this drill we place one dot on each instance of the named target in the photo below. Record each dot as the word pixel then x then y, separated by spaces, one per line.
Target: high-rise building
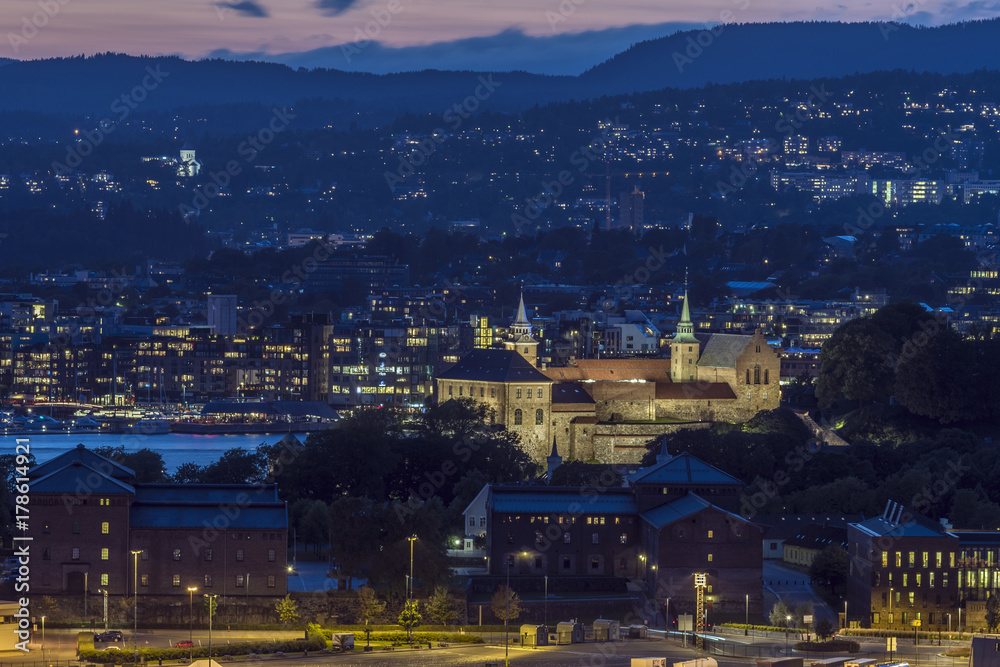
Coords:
pixel 630 216
pixel 221 314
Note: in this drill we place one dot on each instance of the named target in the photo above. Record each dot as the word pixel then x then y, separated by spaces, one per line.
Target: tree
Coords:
pixel 938 379
pixel 370 608
pixel 288 610
pixel 506 604
pixel 354 535
pixel 410 617
pixel 855 364
pixel 211 604
pixel 237 466
pixel 441 606
pixel 992 613
pixel 823 628
pixel 829 570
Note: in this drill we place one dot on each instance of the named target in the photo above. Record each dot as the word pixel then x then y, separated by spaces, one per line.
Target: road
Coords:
pixel 793 587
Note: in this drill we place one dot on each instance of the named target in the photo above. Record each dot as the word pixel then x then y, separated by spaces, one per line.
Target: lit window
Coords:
pixel 177 580
pixel 144 580
pixel 709 558
pixel 177 554
pixel 104 553
pixel 624 538
pixel 270 581
pixel 105 528
pixel 711 534
pixel 104 580
pixel 208 581
pixel 240 580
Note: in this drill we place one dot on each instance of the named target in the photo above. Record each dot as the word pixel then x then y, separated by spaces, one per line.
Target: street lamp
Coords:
pixel 191 592
pixel 409 590
pixel 43 635
pixel 105 591
pixel 545 605
pixel 788 621
pixel 135 611
pixel 211 604
pixel 746 623
pixel 506 614
pixel 86 587
pixel 845 614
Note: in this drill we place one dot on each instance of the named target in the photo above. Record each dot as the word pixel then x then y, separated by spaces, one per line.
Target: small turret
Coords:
pixel 553 460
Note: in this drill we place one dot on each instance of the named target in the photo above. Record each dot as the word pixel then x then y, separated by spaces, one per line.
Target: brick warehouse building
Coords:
pixel 88 514
pixel 672 519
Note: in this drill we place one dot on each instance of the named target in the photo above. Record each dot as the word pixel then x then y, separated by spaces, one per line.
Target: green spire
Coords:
pixel 685 327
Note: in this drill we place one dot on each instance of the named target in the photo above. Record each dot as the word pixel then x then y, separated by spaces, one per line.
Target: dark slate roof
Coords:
pixel 915 526
pixel 494 366
pixel 778 527
pixel 236 494
pixel 563 500
pixel 722 350
pixel 819 537
pixel 194 515
pixel 978 537
pixel 682 469
pixel 570 392
pixel 78 477
pixel 688 505
pixel 83 455
pixel 694 391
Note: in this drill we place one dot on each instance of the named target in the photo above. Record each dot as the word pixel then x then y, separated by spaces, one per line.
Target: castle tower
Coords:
pixel 684 348
pixel 521 340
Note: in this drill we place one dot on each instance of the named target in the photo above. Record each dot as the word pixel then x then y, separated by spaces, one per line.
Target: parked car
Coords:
pixel 186 643
pixel 109 636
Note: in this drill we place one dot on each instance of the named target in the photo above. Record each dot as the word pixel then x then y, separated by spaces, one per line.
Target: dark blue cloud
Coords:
pixel 246 8
pixel 335 7
pixel 570 53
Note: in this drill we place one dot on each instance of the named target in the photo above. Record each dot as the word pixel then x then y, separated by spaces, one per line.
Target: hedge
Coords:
pixel 316 642
pixel 834 646
pixel 766 628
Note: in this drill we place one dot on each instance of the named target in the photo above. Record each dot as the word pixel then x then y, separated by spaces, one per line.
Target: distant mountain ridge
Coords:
pixel 688 59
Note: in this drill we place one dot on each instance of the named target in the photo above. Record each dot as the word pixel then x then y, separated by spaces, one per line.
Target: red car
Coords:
pixel 187 643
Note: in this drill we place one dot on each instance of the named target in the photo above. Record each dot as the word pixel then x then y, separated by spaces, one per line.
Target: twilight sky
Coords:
pixel 548 36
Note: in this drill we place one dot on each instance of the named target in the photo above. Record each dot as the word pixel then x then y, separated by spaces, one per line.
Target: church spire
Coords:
pixel 685 327
pixel 553 461
pixel 521 325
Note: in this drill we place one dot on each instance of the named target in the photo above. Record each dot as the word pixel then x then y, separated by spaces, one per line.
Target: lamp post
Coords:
pixel 211 604
pixel 409 591
pixel 746 623
pixel 86 587
pixel 105 591
pixel 246 598
pixel 135 610
pixel 888 619
pixel 43 635
pixel 788 621
pixel 845 614
pixel 191 592
pixel 506 615
pixel 545 605
pixel 949 627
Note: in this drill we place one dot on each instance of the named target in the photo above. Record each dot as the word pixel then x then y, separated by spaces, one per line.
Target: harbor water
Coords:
pixel 175 448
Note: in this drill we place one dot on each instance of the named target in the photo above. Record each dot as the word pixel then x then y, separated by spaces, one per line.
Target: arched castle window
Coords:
pixel 766 376
pixel 748 376
pixel 518 416
pixel 539 417
pixel 756 374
